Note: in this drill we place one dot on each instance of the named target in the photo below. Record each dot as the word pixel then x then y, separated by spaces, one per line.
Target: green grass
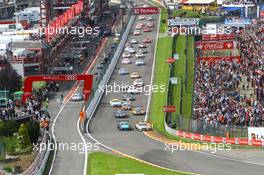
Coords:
pixel 9 144
pixel 188 13
pixel 164 51
pixel 107 164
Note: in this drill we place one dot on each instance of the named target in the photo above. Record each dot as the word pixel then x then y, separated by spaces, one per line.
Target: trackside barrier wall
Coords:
pixel 38 166
pixel 99 93
pixel 213 139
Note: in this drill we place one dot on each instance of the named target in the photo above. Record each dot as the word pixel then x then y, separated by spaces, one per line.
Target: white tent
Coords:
pixel 199 2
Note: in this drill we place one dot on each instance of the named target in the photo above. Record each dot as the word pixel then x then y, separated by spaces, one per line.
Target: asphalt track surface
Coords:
pixel 134 143
pixel 103 128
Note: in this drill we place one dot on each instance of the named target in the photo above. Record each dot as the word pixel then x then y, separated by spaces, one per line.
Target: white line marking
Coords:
pixel 152 72
pixel 86 154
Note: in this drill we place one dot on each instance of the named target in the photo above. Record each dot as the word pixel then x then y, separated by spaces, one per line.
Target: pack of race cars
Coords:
pixel 134 52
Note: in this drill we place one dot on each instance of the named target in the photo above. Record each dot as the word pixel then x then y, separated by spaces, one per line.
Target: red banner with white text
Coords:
pixel 217 37
pixel 214 45
pixel 217 59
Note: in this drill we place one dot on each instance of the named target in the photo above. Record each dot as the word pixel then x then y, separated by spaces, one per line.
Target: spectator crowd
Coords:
pixel 232 93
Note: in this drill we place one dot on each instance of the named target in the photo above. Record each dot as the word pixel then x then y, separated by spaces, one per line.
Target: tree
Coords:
pixel 10 80
pixel 24 140
pixel 33 131
pixel 8 128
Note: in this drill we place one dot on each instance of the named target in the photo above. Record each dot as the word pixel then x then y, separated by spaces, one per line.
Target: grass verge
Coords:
pixel 107 164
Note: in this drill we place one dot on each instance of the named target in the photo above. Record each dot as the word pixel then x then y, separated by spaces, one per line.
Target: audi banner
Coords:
pixel 146 10
pixel 215 45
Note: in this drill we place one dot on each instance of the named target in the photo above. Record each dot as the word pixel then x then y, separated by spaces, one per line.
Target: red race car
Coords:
pixel 147 40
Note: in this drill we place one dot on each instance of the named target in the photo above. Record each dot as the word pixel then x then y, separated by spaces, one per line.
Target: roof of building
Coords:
pixel 202 2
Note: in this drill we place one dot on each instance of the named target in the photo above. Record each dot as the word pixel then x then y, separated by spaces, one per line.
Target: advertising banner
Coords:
pixel 216 37
pixel 215 45
pixel 146 10
pixel 256 133
pixel 262 11
pixel 217 59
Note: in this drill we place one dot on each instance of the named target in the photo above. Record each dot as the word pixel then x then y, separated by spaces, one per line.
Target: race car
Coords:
pixel 135 75
pixel 142 17
pixel 138 110
pixel 147 40
pixel 136 32
pixel 123 71
pixel 127 105
pixel 150 24
pixel 115 103
pixel 126 61
pixel 143 126
pixel 133 41
pixel 126 55
pixel 140 62
pixel 124 126
pixel 138 82
pixel 120 113
pixel 142 46
pixel 140 55
pixel 147 29
pixel 128 97
pixel 77 97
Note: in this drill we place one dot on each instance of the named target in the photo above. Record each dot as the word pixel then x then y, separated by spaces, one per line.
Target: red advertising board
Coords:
pixel 216 37
pixel 169 108
pixel 146 10
pixel 170 60
pixel 217 59
pixel 215 45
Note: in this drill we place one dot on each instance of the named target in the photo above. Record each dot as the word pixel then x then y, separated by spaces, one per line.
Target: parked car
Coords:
pixel 124 126
pixel 128 97
pixel 77 97
pixel 135 75
pixel 115 103
pixel 126 61
pixel 138 110
pixel 123 71
pixel 140 62
pixel 127 105
pixel 121 113
pixel 143 126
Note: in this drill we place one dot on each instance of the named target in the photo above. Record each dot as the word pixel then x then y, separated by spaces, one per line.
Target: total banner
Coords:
pixel 216 139
pixel 214 45
pixel 146 10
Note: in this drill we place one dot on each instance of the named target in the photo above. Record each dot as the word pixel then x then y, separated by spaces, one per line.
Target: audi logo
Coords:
pixel 71 77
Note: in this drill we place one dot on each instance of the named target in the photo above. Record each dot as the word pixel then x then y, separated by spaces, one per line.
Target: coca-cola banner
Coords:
pixel 217 59
pixel 215 45
pixel 217 37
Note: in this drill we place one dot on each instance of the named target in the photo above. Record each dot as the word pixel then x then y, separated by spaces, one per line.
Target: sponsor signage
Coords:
pixel 216 37
pixel 217 59
pixel 262 11
pixel 176 56
pixel 146 10
pixel 256 133
pixel 215 45
pixel 183 22
pixel 170 60
pixel 169 108
pixel 215 139
pixel 174 80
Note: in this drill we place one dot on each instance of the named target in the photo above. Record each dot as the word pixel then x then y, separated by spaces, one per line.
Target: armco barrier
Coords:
pixel 213 139
pixel 99 93
pixel 38 166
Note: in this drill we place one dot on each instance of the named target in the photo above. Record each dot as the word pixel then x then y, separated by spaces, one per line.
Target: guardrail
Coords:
pixel 99 93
